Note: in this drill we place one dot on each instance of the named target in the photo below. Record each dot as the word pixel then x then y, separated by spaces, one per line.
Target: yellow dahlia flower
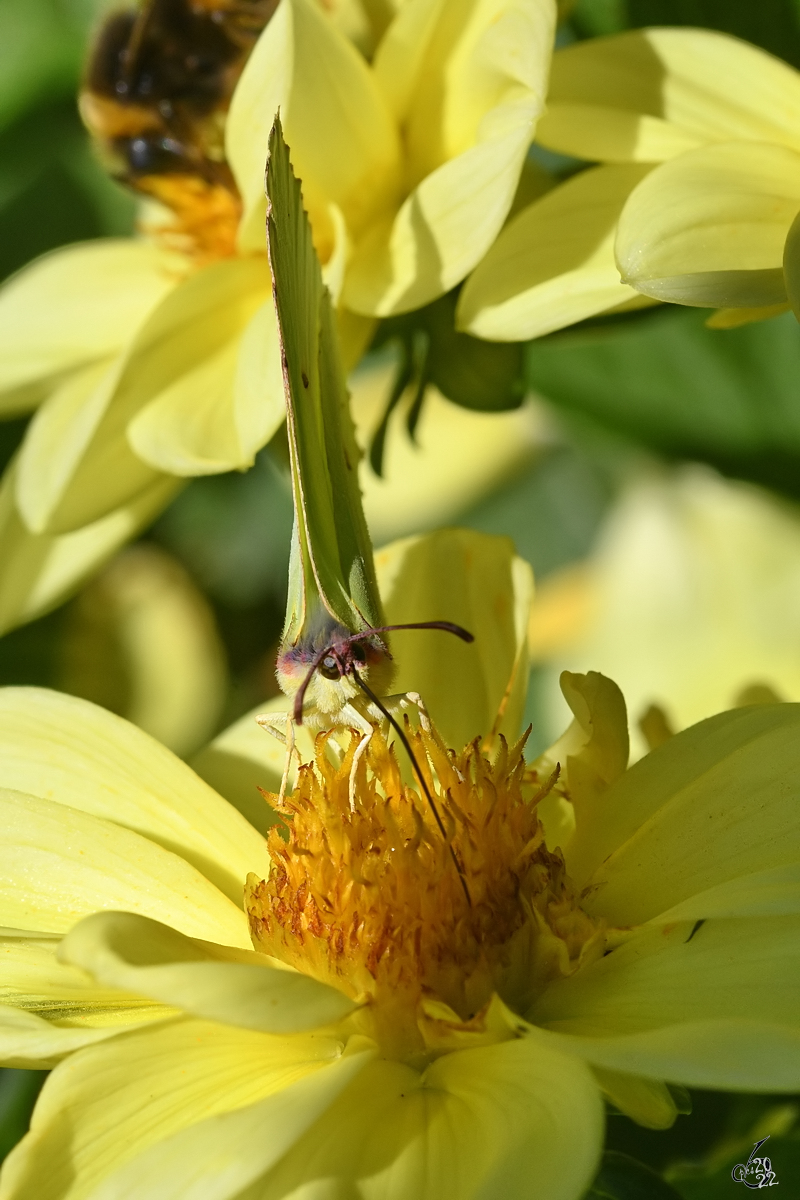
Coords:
pixel 707 227
pixel 156 357
pixel 691 601
pixel 389 1013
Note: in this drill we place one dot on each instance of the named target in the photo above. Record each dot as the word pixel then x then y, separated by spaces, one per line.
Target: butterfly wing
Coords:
pixel 332 573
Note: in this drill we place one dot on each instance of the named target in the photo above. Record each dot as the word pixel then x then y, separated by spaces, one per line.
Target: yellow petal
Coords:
pixel 447 223
pixel 774 891
pixel 468 85
pixel 237 987
pixel 343 142
pixel 211 1159
pixel 27 1040
pixel 32 980
pixel 245 757
pixel 553 264
pixel 474 580
pixel 709 227
pixel 72 307
pixel 725 1054
pixel 61 484
pixel 508 1120
pixel 646 1101
pixel 480 60
pixel 107 1104
pixel 732 318
pixel 38 571
pixel 72 752
pixel 714 802
pixel 791 266
pixel 592 754
pixel 400 57
pixel 142 641
pixel 355 334
pixel 79 447
pixel 666 976
pixel 650 94
pixel 219 414
pixel 58 864
pixel 676 607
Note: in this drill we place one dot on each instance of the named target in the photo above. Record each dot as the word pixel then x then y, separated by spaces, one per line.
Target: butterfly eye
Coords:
pixel 359 653
pixel 329 668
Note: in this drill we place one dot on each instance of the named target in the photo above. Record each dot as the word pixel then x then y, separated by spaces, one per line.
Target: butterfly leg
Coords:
pixel 404 701
pixel 272 722
pixel 350 715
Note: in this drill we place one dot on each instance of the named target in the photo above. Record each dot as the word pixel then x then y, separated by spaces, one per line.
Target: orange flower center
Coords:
pixel 377 903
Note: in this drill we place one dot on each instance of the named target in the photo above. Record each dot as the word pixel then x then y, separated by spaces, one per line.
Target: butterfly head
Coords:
pixel 319 670
pixel 327 669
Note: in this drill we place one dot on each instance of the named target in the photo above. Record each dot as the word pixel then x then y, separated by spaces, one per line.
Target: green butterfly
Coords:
pixel 334 658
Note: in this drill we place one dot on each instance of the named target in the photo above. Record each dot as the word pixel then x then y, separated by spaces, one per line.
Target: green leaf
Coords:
pixel 728 397
pixel 332 563
pixel 18 1092
pixel 623 1178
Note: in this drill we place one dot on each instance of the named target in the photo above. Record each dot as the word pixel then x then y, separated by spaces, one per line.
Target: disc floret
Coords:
pixel 375 902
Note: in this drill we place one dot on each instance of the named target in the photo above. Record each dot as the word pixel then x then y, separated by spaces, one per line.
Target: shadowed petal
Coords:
pixel 477 582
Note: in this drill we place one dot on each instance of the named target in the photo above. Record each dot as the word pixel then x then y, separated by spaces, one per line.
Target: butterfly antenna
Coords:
pixel 300 696
pixel 397 727
pixel 445 626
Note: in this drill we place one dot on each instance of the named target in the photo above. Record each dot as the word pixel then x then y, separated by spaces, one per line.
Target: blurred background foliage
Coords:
pixel 615 400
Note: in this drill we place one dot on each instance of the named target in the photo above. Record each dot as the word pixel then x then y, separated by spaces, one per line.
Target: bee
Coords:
pixel 157 86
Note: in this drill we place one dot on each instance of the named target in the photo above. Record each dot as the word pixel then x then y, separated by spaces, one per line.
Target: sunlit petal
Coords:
pixel 28 1040
pixel 553 264
pixel 668 977
pixel 58 864
pixel 61 485
pixel 79 755
pixel 216 416
pixel 709 227
pixel 104 1106
pixel 470 99
pixel 74 306
pixel 237 987
pixel 471 1126
pixel 343 142
pixel 712 803
pixel 649 94
pixel 33 980
pixel 447 223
